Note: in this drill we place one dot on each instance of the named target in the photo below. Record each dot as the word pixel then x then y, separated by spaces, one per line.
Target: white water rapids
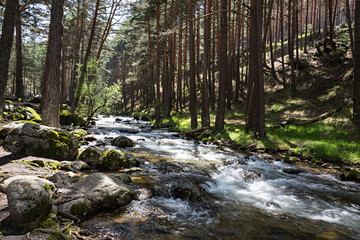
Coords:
pixel 273 205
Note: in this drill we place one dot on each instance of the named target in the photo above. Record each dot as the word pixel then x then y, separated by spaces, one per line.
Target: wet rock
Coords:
pixel 100 144
pixel 122 177
pixel 122 142
pixel 251 176
pixel 114 160
pixel 104 191
pixel 74 165
pixel 293 170
pixel 90 138
pixel 184 188
pixel 29 200
pixel 118 120
pixel 157 224
pixel 41 141
pixel 90 155
pixel 79 207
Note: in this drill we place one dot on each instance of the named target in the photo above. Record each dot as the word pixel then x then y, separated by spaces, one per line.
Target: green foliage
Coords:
pixel 66 118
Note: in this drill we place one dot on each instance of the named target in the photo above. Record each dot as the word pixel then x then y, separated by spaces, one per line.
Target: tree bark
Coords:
pixel 51 85
pixel 220 114
pixel 256 109
pixel 192 67
pixel 19 66
pixel 205 115
pixel 6 41
pixel 356 55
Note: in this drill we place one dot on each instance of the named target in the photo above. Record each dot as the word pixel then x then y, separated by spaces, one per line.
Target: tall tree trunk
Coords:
pixel 256 109
pixel 192 66
pixel 157 76
pixel 349 22
pixel 356 54
pixel 19 65
pixel 51 85
pixel 306 26
pixel 86 59
pixel 6 40
pixel 205 115
pixel 220 114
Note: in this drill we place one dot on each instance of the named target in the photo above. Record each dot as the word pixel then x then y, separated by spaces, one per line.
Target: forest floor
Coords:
pixel 324 88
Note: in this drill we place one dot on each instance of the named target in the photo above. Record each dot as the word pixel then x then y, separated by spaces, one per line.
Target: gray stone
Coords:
pixel 29 200
pixel 104 191
pixel 41 141
pixel 90 155
pixel 74 165
pixel 122 142
pixel 79 207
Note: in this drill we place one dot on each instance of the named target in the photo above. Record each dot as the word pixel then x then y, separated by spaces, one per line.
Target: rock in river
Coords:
pixel 122 142
pixel 104 191
pixel 41 141
pixel 113 160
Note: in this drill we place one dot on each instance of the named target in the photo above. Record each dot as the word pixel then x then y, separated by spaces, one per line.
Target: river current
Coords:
pixel 252 197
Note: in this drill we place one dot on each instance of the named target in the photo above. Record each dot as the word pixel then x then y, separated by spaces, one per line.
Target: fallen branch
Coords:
pixel 313 120
pixel 197 130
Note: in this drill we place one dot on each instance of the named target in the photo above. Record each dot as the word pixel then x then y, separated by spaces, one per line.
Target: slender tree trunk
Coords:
pixel 306 26
pixel 256 110
pixel 180 70
pixel 205 115
pixel 220 114
pixel 356 55
pixel 6 40
pixel 86 59
pixel 349 22
pixel 51 85
pixel 193 111
pixel 19 65
pixel 157 77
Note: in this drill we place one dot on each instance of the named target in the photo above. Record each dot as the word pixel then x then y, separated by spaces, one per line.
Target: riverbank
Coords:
pixel 318 146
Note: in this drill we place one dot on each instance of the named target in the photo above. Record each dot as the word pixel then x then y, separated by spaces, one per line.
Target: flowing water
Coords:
pixel 251 197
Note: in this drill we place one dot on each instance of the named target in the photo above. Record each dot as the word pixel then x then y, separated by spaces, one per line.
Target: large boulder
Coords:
pixel 29 199
pixel 114 160
pixel 122 142
pixel 104 191
pixel 41 141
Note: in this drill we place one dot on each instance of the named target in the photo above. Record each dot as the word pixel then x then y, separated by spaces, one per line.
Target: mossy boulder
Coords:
pixel 30 114
pixel 41 141
pixel 74 165
pixel 79 207
pixel 90 155
pixel 67 118
pixel 114 159
pixel 104 191
pixel 29 200
pixel 122 142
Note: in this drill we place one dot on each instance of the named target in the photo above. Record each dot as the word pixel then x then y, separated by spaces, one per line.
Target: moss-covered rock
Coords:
pixel 41 141
pixel 104 191
pixel 114 159
pixel 67 118
pixel 90 155
pixel 31 114
pixel 29 200
pixel 79 207
pixel 74 165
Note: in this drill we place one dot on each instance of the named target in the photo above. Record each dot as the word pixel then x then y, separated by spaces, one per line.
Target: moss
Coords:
pixel 54 165
pixel 113 159
pixel 34 115
pixel 353 174
pixel 66 118
pixel 30 163
pixel 80 209
pixel 28 121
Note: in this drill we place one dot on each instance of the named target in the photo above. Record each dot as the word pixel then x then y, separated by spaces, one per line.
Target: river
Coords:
pixel 251 197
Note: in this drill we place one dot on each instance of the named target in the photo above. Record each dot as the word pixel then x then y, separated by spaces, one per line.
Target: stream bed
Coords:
pixel 247 197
